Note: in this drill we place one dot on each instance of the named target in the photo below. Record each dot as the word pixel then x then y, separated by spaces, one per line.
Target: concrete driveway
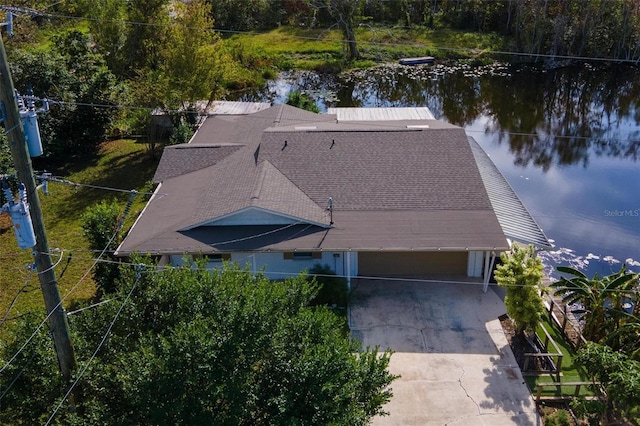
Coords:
pixel 455 362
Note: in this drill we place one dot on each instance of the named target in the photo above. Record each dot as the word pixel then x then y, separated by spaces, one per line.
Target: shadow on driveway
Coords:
pixel 455 363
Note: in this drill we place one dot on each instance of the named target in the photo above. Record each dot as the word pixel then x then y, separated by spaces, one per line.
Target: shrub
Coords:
pixel 333 289
pixel 559 418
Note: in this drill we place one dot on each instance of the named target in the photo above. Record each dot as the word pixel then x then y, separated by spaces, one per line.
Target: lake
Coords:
pixel 567 140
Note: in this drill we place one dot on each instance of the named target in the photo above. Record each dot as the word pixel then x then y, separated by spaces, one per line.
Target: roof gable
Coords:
pixel 252 215
pixel 276 198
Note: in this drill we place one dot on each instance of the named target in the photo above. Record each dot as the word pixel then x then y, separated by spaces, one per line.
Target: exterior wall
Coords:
pixel 281 265
pixel 474 264
pixel 389 264
pixel 253 216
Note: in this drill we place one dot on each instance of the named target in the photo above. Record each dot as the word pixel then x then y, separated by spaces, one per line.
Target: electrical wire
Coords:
pixel 155 269
pixel 61 252
pixel 77 311
pixel 85 185
pixel 104 339
pixel 342 41
pixel 115 233
pixel 372 124
pixel 15 298
pixel 15 379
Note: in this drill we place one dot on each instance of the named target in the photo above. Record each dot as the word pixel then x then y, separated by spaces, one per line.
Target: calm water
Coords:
pixel 567 140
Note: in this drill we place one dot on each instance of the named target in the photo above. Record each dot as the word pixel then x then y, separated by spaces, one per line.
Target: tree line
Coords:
pixel 596 28
pixel 164 55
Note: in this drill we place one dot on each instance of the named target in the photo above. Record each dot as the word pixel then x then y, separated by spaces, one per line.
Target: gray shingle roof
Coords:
pixel 380 170
pixel 186 158
pixel 394 188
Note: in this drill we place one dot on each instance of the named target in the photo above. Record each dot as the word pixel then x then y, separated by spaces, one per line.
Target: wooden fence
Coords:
pixel 566 322
pixel 550 361
pixel 596 386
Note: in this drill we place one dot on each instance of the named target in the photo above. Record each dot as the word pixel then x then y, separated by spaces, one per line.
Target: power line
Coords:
pixel 104 339
pixel 15 298
pixel 115 233
pixel 155 269
pixel 85 185
pixel 373 124
pixel 343 41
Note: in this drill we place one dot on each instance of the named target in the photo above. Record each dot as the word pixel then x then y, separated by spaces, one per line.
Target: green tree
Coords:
pixel 72 72
pixel 347 15
pixel 600 299
pixel 99 225
pixel 192 68
pixel 109 28
pixel 146 38
pixel 190 62
pixel 301 100
pixel 521 275
pixel 619 375
pixel 192 346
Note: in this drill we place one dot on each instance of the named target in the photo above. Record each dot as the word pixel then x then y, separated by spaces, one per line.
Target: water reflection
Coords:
pixel 567 140
pixel 546 117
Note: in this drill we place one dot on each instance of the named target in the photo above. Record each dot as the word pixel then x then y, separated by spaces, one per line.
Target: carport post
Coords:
pixel 488 267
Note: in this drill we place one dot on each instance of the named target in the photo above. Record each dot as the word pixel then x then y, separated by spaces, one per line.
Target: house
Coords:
pixel 370 192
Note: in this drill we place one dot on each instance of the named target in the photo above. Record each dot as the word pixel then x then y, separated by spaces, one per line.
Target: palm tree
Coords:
pixel 602 299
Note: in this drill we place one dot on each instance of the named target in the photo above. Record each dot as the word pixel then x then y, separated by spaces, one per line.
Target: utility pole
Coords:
pixel 57 318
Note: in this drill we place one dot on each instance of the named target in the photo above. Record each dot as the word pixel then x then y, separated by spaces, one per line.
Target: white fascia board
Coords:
pixel 293 219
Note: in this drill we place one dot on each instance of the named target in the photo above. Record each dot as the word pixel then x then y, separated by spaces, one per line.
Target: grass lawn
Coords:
pixel 289 47
pixel 120 164
pixel 570 371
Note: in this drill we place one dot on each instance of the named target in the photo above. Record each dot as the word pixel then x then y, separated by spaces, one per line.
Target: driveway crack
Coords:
pixel 465 389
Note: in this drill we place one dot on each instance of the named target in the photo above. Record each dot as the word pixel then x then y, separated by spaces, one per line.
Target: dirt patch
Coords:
pixel 518 343
pixel 520 346
pixel 5 223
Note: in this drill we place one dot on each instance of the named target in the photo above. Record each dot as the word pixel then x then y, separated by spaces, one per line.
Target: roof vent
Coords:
pixel 417 126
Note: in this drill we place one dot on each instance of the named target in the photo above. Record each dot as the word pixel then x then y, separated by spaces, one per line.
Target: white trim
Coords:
pixel 293 219
pixel 116 253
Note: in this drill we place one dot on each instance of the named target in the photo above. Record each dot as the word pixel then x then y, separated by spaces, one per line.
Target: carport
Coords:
pixel 455 363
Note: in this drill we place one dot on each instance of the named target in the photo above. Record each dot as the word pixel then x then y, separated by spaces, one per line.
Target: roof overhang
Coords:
pixel 514 218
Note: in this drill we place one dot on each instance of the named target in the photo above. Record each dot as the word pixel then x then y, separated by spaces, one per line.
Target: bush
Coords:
pixel 559 418
pixel 521 274
pixel 333 289
pixel 100 228
pixel 181 134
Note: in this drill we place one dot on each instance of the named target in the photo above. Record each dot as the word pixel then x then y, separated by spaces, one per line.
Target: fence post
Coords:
pixel 577 392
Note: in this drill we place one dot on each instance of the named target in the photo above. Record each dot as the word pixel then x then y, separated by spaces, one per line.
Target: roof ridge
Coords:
pixel 260 178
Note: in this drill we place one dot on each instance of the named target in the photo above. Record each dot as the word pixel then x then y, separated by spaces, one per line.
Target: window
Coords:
pixel 302 255
pixel 213 257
